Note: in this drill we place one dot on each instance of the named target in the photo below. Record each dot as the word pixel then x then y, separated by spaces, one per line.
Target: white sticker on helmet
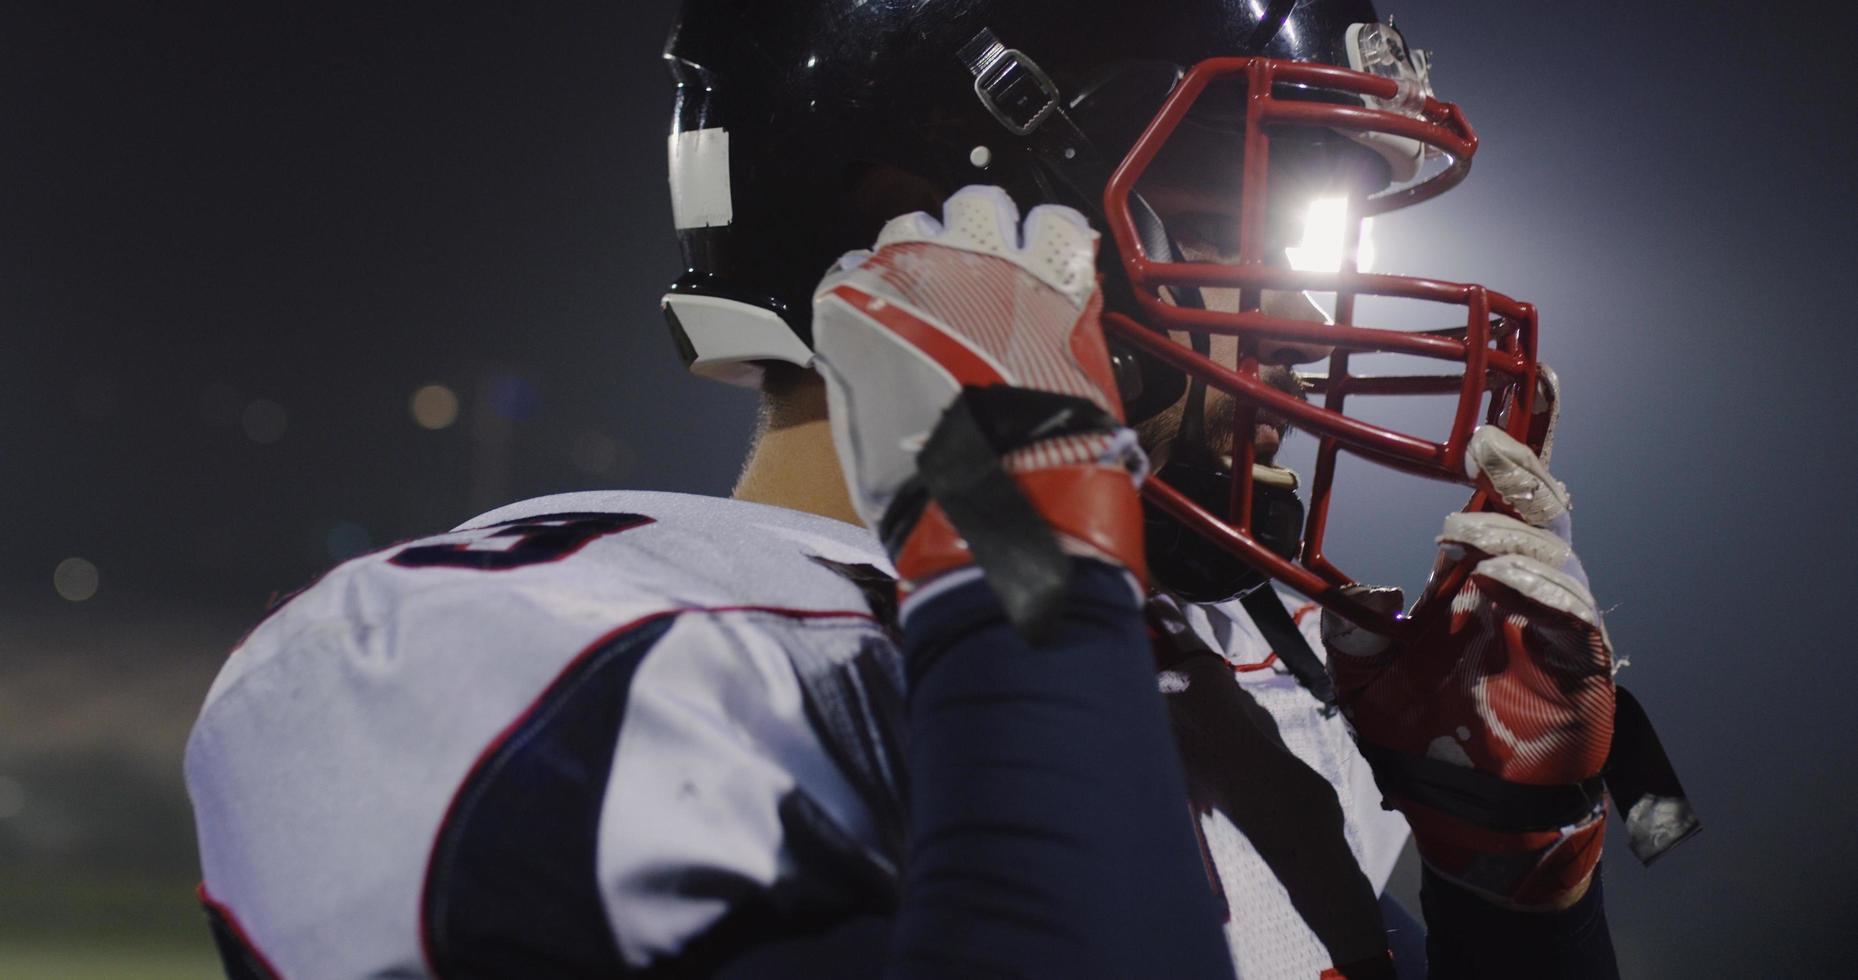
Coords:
pixel 700 195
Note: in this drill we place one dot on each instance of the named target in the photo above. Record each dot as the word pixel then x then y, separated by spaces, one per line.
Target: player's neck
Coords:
pixel 793 463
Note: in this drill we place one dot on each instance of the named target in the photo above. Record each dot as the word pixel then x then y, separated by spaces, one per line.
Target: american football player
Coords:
pixel 892 707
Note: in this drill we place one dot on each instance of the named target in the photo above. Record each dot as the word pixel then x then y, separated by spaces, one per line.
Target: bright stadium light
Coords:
pixel 1325 226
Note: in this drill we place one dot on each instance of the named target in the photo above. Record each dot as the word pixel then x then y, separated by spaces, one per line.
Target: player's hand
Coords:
pixel 1489 728
pixel 965 366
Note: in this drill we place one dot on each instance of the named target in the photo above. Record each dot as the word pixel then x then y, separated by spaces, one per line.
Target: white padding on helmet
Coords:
pixel 729 337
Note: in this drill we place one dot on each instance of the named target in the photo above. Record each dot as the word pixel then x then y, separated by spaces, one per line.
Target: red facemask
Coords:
pixel 1488 362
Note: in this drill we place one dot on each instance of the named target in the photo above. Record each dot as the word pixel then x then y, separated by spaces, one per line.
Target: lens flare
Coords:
pixel 1325 227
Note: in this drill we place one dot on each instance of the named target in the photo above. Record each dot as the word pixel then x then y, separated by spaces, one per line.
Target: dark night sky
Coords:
pixel 220 217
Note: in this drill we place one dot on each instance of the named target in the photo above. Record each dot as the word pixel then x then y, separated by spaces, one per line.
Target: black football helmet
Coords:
pixel 802 126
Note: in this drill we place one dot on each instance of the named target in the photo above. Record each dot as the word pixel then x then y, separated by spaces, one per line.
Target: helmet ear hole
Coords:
pixel 881 191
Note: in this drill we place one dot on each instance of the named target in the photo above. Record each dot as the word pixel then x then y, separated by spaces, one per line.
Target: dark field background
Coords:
pixel 236 240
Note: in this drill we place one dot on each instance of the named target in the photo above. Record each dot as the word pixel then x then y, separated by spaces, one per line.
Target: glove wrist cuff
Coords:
pixel 1094 510
pixel 1533 870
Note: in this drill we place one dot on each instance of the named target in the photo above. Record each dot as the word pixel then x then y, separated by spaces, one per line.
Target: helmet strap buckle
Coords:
pixel 1015 90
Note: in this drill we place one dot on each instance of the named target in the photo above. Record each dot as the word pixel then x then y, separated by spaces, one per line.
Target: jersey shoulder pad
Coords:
pixel 655 641
pixel 557 570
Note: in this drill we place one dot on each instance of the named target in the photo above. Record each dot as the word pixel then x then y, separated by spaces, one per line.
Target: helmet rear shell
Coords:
pixel 842 114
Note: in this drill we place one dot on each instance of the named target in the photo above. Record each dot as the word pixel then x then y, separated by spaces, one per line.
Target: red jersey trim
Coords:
pixel 948 351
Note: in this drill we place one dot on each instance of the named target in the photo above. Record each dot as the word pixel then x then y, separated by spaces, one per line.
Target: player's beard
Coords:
pixel 1158 434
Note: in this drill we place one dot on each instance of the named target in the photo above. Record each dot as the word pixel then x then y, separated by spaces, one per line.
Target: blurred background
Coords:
pixel 280 285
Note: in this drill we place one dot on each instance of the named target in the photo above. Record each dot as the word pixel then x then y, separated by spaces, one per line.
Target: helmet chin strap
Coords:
pixel 1072 169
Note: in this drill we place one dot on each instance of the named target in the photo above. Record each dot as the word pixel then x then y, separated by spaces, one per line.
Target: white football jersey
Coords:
pixel 604 730
pixel 1267 935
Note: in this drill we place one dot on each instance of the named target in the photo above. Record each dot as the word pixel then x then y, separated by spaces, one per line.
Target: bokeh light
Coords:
pixel 1325 227
pixel 264 421
pixel 75 579
pixel 434 407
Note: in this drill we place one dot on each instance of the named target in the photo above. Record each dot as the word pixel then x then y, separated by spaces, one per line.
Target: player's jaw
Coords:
pixel 1160 433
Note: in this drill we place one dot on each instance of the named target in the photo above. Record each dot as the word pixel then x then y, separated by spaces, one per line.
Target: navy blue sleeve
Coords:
pixel 1049 829
pixel 1049 832
pixel 1467 936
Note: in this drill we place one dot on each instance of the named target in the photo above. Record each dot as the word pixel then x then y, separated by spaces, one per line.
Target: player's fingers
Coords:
pixel 1056 244
pixel 849 261
pixel 1540 584
pixel 1517 476
pixel 1061 249
pixel 975 219
pixel 917 226
pixel 981 219
pixel 1546 411
pixel 1501 534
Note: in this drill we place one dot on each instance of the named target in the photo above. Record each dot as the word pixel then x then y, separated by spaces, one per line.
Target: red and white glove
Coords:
pixel 1489 728
pixel 965 367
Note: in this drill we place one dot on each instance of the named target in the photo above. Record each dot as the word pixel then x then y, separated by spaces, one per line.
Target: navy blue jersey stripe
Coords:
pixel 238 955
pixel 511 890
pixel 537 541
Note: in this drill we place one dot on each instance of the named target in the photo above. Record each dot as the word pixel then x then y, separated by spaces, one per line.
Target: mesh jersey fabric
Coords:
pixel 334 742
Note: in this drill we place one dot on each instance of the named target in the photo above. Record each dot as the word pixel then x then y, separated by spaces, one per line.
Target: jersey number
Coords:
pixel 539 540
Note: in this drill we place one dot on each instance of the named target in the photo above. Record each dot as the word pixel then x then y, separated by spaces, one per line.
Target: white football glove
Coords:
pixel 1489 728
pixel 999 322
